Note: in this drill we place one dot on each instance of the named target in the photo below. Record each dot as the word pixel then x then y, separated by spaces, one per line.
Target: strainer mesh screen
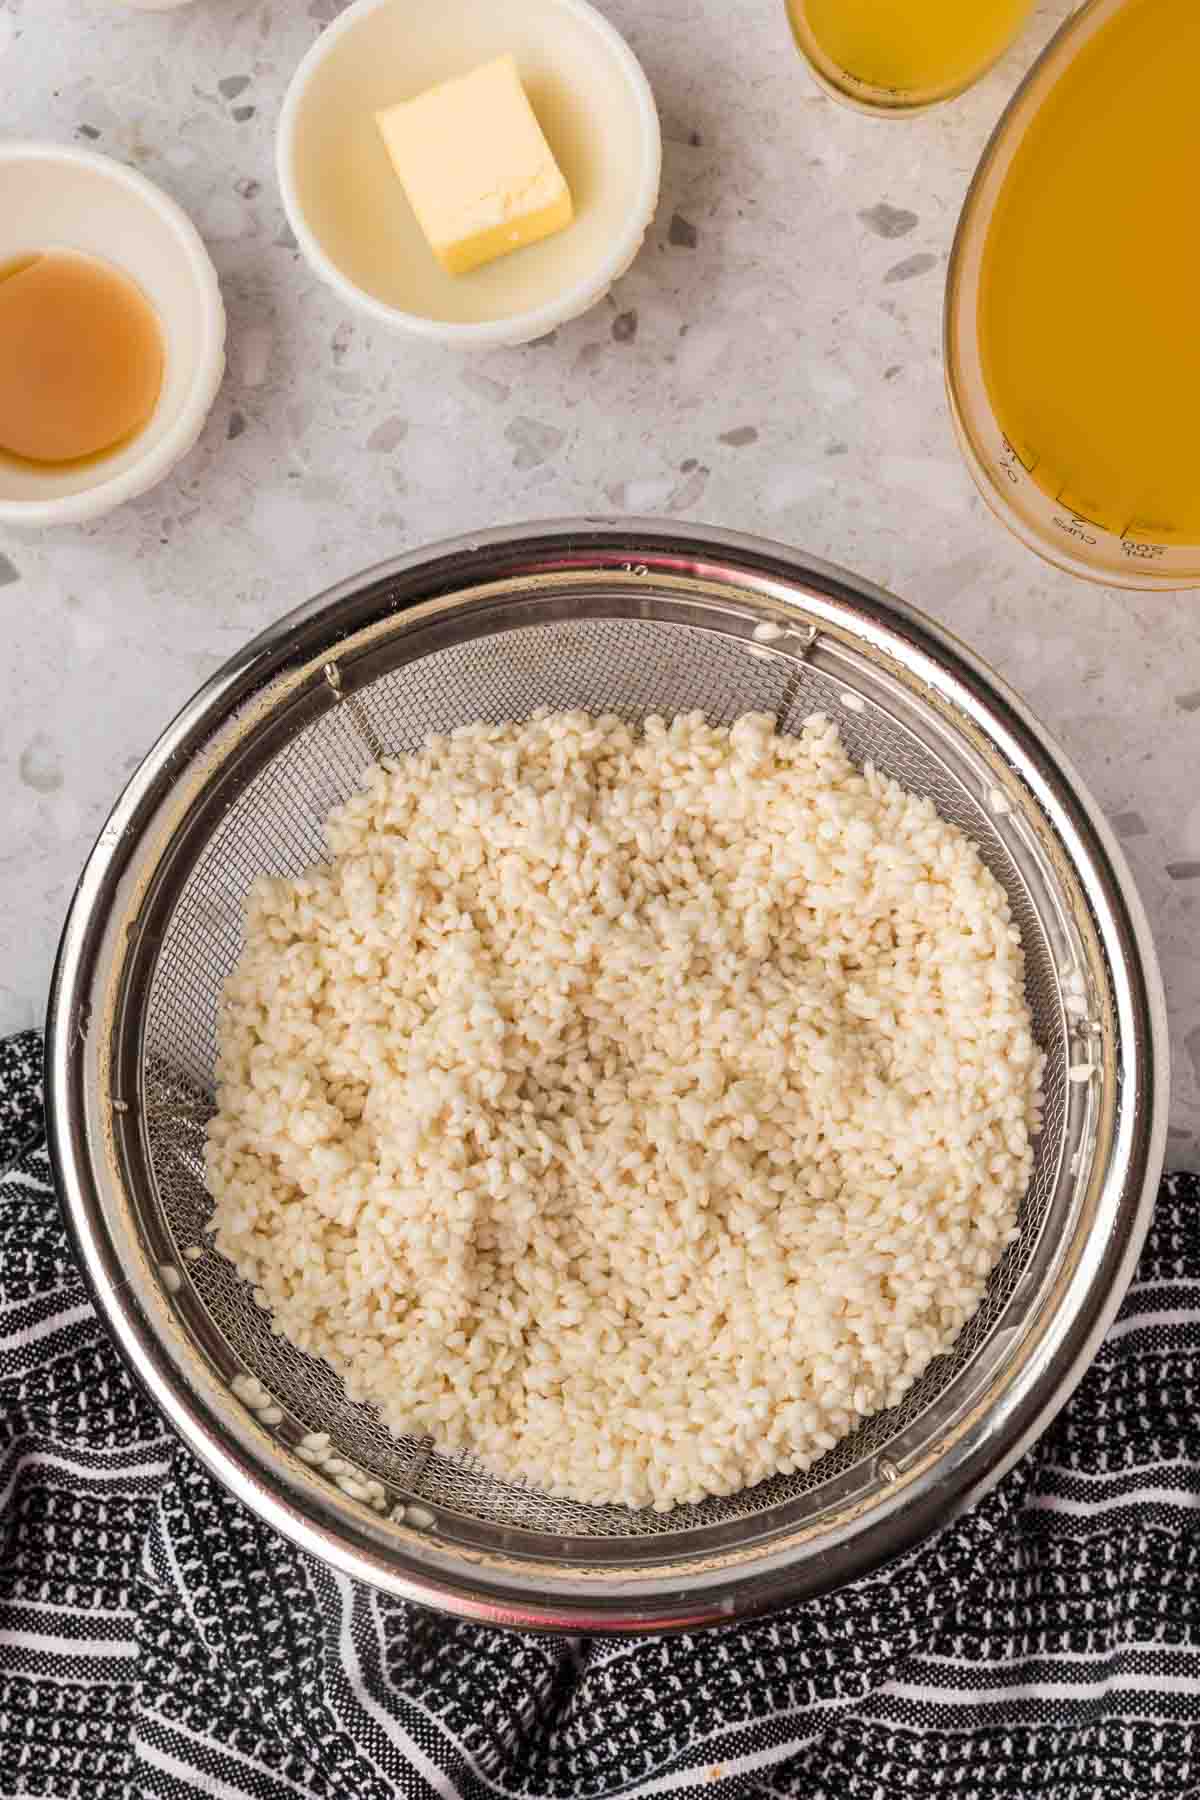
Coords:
pixel 631 667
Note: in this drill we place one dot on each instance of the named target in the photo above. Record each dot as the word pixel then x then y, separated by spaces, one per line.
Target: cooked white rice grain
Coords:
pixel 635 1110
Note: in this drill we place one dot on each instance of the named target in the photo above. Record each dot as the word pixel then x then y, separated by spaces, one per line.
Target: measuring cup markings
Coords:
pixel 1140 541
pixel 1076 526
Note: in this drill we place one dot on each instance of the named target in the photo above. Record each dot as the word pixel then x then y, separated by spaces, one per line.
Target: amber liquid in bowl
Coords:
pixel 81 358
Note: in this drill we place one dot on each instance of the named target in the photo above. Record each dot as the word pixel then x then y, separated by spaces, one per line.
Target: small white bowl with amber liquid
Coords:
pixel 112 334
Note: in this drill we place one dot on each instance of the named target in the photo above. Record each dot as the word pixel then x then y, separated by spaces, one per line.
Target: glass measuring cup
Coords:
pixel 898 57
pixel 1119 552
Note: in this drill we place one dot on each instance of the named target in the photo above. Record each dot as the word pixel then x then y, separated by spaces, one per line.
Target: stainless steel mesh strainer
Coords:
pixel 635 619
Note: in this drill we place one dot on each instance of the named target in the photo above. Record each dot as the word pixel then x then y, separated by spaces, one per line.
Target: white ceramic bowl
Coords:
pixel 53 196
pixel 594 104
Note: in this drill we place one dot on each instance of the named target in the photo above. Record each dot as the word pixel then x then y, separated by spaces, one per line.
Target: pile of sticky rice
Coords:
pixel 637 1110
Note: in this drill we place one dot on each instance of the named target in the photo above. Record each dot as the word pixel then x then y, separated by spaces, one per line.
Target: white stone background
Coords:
pixel 770 363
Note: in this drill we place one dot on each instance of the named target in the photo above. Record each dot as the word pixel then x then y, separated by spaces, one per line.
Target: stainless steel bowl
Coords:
pixel 632 617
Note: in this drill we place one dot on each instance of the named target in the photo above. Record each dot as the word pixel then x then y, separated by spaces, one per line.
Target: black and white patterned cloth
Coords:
pixel 156 1639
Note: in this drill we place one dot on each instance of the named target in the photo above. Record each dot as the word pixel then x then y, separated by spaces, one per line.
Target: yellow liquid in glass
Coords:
pixel 927 47
pixel 1089 305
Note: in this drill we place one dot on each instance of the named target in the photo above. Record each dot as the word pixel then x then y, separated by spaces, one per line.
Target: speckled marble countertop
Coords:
pixel 771 363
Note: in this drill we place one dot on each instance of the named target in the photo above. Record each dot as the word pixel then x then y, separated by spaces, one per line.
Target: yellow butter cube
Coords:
pixel 476 167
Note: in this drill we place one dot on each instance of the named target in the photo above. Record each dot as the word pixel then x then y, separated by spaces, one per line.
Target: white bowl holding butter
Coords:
pixel 348 207
pixel 56 198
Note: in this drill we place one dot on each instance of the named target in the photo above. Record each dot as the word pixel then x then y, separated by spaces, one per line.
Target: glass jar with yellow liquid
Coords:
pixel 898 56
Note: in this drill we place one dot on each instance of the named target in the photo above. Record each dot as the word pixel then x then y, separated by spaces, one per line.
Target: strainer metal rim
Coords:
pixel 1005 1422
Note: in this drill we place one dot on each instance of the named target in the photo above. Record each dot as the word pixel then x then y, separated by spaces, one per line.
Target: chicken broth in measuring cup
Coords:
pixel 1087 313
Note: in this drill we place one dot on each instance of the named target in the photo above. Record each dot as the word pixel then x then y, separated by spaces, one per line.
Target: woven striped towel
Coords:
pixel 156 1639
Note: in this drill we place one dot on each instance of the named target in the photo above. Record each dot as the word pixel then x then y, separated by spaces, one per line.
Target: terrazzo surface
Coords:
pixel 771 363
